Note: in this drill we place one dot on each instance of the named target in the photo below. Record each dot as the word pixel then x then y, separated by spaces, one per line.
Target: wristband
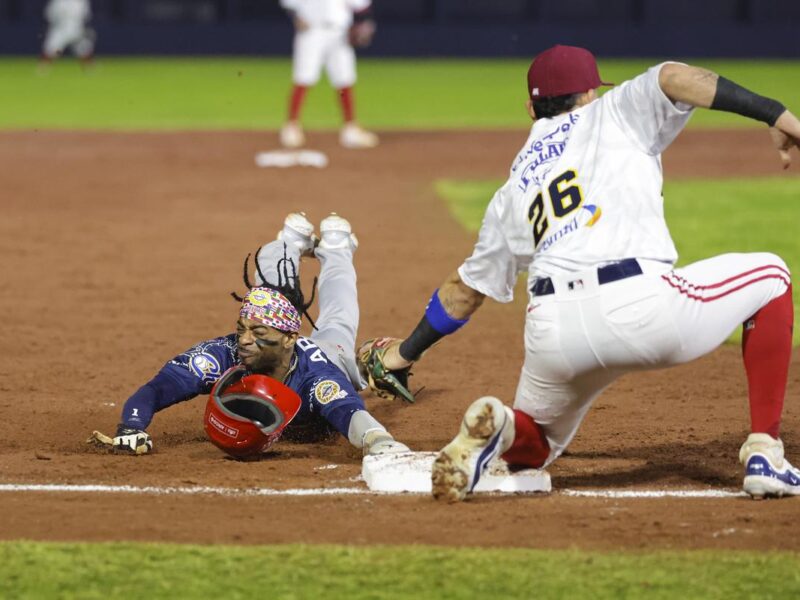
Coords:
pixel 439 319
pixel 432 327
pixel 731 97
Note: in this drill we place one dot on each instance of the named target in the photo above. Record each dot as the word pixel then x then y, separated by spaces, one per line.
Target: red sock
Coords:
pixel 296 101
pixel 530 447
pixel 348 105
pixel 767 351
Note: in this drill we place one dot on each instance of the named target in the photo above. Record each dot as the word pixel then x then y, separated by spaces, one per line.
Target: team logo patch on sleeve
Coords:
pixel 327 391
pixel 205 366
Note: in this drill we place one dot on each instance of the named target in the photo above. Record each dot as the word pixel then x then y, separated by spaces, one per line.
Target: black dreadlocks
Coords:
pixel 288 284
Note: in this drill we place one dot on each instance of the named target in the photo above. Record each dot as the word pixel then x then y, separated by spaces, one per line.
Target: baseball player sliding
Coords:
pixel 320 369
pixel 582 212
pixel 325 32
pixel 67 22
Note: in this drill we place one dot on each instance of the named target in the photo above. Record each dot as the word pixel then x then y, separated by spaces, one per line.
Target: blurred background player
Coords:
pixel 325 32
pixel 68 27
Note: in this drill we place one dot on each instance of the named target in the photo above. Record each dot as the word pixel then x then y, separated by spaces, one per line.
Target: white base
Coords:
pixel 292 158
pixel 411 472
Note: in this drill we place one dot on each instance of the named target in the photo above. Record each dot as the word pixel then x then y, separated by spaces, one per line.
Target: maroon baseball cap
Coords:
pixel 563 70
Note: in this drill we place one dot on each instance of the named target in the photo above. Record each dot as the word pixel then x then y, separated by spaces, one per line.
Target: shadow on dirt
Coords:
pixel 715 463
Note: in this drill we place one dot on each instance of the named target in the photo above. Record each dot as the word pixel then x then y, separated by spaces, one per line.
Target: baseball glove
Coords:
pixel 361 33
pixel 384 382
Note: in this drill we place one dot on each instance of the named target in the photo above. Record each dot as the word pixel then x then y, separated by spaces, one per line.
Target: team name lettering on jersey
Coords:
pixel 546 150
pixel 306 344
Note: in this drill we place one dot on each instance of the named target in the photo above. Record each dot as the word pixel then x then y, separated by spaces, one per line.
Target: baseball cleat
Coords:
pixel 461 463
pixel 292 135
pixel 336 232
pixel 299 232
pixel 353 136
pixel 767 473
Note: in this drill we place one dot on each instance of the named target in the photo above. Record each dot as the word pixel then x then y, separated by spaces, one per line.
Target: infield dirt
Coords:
pixel 118 251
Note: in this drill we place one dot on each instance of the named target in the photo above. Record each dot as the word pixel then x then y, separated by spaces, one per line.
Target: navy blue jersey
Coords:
pixel 328 397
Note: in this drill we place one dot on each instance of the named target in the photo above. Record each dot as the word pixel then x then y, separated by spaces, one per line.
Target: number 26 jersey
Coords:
pixel 585 190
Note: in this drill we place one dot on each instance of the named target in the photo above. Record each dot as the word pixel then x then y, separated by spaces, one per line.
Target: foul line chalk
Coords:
pixel 130 489
pixel 652 493
pixel 199 490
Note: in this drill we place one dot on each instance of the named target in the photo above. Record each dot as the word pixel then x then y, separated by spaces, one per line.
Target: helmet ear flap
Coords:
pixel 246 414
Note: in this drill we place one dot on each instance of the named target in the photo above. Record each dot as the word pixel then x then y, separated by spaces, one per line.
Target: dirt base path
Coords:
pixel 118 251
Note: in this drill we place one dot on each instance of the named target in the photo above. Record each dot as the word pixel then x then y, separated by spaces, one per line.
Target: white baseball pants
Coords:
pixel 68 34
pixel 321 46
pixel 581 338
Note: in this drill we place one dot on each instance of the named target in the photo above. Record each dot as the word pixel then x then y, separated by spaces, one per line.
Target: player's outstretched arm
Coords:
pixel 371 437
pixel 705 89
pixel 687 84
pixel 131 437
pixel 449 308
pixel 459 300
pixel 172 384
pixel 385 362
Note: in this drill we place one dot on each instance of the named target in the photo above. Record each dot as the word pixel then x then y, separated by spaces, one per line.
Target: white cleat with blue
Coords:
pixel 486 432
pixel 767 473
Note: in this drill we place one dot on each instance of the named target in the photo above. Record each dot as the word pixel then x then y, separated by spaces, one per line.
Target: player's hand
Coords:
pixel 300 25
pixel 131 441
pixel 382 442
pixel 392 359
pixel 361 33
pixel 785 136
pixel 385 381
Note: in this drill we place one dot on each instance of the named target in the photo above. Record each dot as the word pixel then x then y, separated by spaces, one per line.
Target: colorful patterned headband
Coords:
pixel 271 308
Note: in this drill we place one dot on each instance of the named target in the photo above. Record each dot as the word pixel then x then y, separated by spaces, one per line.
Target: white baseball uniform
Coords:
pixel 324 42
pixel 583 197
pixel 67 27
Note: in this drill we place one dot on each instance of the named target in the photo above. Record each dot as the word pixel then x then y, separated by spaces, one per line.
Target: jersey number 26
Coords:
pixel 564 198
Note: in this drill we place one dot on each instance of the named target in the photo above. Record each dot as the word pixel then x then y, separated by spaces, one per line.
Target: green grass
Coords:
pixel 467 200
pixel 51 570
pixel 251 93
pixel 706 217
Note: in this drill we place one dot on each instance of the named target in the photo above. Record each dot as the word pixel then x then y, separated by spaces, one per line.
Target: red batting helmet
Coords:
pixel 246 414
